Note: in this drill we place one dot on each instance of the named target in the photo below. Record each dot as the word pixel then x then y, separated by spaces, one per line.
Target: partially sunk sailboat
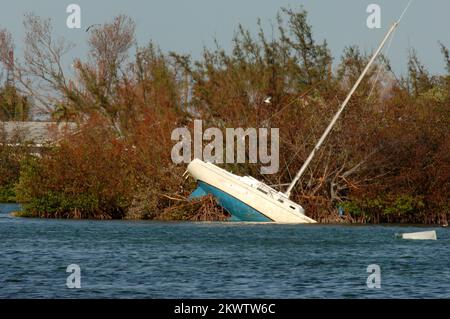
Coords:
pixel 250 200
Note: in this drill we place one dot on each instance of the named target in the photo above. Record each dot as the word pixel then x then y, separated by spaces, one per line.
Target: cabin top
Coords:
pixel 274 194
pixel 265 189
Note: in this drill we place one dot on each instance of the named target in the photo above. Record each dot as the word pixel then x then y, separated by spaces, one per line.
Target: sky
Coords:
pixel 186 26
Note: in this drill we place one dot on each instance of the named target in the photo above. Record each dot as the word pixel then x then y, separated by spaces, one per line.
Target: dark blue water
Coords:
pixel 125 259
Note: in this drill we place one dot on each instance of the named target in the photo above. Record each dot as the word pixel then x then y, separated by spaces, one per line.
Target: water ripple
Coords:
pixel 123 259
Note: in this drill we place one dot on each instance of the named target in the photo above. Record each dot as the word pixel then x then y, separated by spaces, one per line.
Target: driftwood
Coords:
pixel 201 209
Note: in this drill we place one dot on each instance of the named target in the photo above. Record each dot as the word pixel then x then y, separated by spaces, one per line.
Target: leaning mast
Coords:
pixel 337 115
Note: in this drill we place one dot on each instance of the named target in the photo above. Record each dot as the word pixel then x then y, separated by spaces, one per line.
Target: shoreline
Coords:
pixel 346 222
pixel 17 215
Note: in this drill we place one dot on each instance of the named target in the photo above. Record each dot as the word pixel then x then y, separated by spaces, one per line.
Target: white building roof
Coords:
pixel 37 133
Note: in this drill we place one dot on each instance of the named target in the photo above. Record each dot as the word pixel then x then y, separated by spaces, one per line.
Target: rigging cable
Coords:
pixel 388 48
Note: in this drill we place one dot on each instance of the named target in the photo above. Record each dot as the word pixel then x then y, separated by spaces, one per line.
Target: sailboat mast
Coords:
pixel 336 116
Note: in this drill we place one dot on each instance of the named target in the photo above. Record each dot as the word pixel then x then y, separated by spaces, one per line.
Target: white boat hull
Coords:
pixel 245 198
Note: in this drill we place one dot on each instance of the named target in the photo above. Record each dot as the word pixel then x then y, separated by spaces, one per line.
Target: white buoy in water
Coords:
pixel 423 235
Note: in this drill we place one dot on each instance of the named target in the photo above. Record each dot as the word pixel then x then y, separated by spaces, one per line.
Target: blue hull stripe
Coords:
pixel 239 210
